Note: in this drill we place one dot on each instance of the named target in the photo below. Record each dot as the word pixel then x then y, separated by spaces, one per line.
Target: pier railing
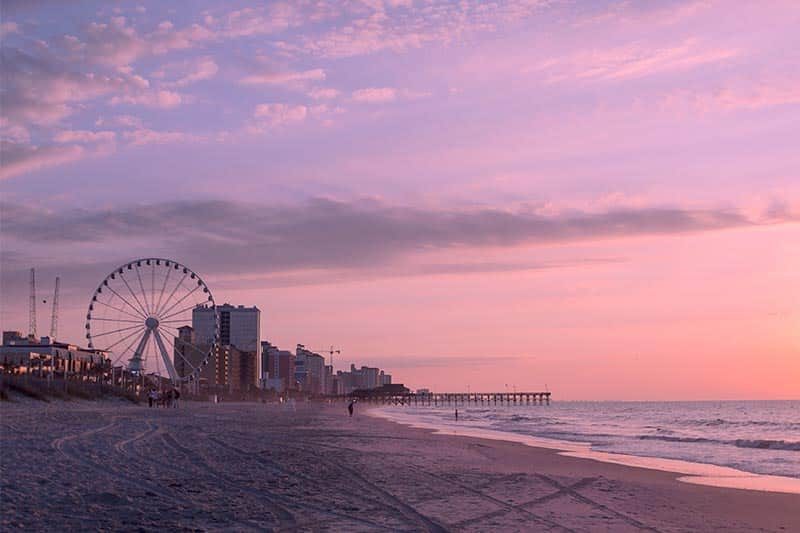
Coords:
pixel 455 398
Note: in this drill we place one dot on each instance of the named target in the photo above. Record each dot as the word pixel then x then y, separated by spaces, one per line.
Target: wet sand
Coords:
pixel 254 467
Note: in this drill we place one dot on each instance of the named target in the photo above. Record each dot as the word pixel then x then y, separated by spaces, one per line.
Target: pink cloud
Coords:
pixel 189 72
pixel 145 136
pixel 323 93
pixel 117 44
pixel 375 95
pixel 380 95
pixel 162 99
pixel 123 121
pixel 630 61
pixel 284 78
pixel 41 90
pixel 736 97
pixel 13 132
pixel 273 114
pixel 7 28
pixel 639 13
pixel 21 158
pixel 84 137
pixel 256 21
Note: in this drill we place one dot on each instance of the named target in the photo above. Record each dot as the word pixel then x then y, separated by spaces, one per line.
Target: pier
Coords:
pixel 437 399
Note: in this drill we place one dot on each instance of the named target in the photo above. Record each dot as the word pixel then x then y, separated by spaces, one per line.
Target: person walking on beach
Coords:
pixel 350 407
pixel 152 396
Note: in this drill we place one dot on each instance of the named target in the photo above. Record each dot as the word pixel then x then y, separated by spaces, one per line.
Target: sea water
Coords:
pixel 761 437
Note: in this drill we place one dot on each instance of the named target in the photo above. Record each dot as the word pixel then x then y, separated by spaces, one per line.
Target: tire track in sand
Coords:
pixel 277 467
pixel 60 445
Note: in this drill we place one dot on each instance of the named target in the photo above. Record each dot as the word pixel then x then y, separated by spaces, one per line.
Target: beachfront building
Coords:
pixel 239 327
pixel 360 378
pixel 370 377
pixel 310 370
pixel 280 367
pixel 229 370
pixel 20 354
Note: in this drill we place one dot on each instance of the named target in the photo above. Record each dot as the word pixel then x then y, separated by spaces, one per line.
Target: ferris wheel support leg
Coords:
pixel 135 362
pixel 173 374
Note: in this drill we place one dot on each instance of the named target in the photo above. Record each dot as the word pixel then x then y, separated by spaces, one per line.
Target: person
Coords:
pixel 350 408
pixel 152 396
pixel 176 396
pixel 456 415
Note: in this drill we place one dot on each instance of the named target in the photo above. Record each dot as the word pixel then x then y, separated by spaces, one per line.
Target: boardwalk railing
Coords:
pixel 456 398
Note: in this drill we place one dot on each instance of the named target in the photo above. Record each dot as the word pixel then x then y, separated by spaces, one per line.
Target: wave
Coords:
pixel 712 422
pixel 768 444
pixel 667 438
pixel 759 444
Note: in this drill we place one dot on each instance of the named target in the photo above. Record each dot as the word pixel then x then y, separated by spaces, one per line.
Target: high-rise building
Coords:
pixel 187 356
pixel 370 377
pixel 277 364
pixel 239 326
pixel 310 370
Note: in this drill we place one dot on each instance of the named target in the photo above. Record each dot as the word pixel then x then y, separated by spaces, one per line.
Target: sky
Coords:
pixel 597 198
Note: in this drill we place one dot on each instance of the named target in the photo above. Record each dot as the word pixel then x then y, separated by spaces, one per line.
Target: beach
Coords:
pixel 310 467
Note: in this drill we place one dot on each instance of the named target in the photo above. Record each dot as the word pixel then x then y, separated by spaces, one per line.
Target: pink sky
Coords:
pixel 599 197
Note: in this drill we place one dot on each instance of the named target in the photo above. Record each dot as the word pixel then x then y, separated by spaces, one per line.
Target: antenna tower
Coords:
pixel 32 311
pixel 54 316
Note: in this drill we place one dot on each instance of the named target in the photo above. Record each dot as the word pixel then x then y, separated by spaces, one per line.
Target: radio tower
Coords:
pixel 32 315
pixel 54 317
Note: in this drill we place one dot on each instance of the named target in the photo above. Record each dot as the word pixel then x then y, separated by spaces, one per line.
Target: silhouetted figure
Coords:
pixel 350 408
pixel 456 415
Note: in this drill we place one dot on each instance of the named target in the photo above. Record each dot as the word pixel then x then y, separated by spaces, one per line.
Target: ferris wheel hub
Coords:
pixel 151 322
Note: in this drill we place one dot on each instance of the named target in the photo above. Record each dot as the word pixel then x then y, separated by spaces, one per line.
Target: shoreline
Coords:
pixel 705 474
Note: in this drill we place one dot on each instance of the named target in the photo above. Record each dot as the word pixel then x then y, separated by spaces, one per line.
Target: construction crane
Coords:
pixel 32 310
pixel 330 351
pixel 54 316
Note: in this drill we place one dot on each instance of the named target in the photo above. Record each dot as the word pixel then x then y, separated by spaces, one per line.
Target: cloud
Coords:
pixel 382 95
pixel 323 93
pixel 42 90
pixel 117 44
pixel 19 158
pixel 272 114
pixel 375 95
pixel 7 28
pixel 630 61
pixel 161 99
pixel 284 78
pixel 189 72
pixel 84 137
pixel 376 27
pixel 122 121
pixel 252 21
pixel 142 136
pixel 13 132
pixel 325 234
pixel 745 96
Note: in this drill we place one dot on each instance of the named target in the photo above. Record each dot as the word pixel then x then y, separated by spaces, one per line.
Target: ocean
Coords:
pixel 759 437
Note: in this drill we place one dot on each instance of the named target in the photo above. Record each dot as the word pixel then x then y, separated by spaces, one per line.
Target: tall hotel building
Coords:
pixel 239 326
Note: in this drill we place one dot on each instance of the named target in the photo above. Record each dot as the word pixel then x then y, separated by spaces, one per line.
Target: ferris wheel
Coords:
pixel 143 313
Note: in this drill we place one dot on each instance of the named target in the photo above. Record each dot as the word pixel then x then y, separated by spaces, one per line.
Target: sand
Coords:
pixel 254 467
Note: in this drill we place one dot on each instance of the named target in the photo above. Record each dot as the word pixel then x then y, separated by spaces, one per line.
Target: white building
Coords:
pixel 239 326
